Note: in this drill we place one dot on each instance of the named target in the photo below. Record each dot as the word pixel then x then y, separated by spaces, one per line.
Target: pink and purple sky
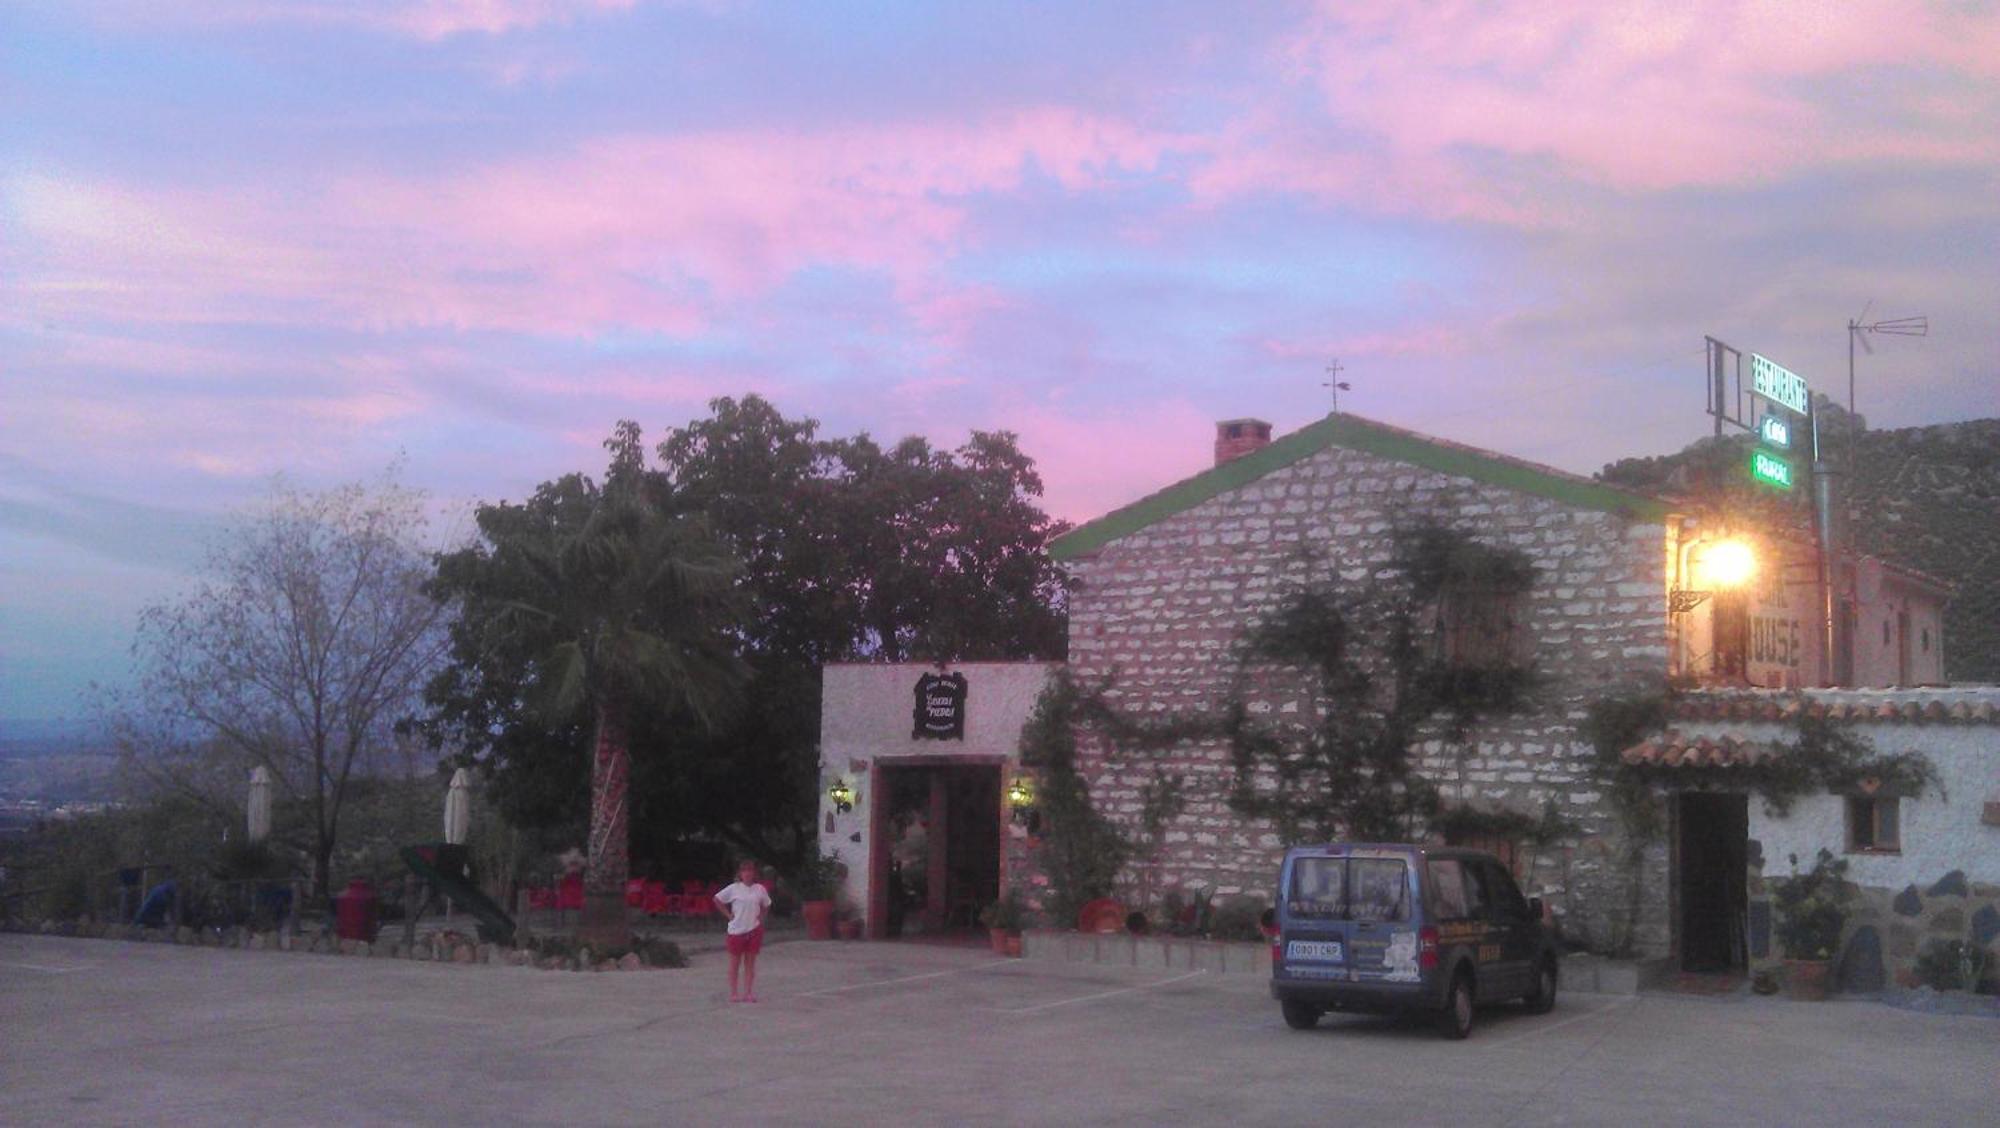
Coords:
pixel 244 237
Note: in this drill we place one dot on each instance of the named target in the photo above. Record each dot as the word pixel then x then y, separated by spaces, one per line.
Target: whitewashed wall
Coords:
pixel 1939 834
pixel 866 719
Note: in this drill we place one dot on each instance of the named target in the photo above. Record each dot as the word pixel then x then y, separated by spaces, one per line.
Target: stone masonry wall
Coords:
pixel 1160 611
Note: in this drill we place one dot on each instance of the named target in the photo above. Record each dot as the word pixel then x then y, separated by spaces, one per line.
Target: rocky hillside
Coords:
pixel 1927 497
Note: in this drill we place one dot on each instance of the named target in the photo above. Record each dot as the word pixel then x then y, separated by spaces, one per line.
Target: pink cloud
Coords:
pixel 1094 463
pixel 645 232
pixel 421 19
pixel 1656 96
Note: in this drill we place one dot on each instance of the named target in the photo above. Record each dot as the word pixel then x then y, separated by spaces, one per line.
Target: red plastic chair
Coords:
pixel 654 901
pixel 541 897
pixel 635 892
pixel 569 894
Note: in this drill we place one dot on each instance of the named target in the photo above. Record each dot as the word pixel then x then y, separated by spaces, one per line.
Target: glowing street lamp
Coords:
pixel 1716 566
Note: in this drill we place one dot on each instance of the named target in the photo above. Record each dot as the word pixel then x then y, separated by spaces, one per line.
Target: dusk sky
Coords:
pixel 247 237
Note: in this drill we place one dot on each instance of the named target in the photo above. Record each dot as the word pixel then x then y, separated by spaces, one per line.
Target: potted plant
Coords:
pixel 1811 913
pixel 1002 919
pixel 817 880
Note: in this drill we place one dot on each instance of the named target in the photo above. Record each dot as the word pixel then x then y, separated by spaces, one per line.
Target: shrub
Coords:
pixel 1812 908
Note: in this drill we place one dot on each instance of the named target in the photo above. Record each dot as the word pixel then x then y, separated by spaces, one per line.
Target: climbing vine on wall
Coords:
pixel 1381 680
pixel 1079 851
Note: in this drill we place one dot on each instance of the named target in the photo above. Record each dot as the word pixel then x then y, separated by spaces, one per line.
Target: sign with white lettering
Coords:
pixel 1777 383
pixel 940 711
pixel 1770 468
pixel 1775 430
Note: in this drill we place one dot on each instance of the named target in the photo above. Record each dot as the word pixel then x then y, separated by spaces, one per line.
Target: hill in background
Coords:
pixel 1925 497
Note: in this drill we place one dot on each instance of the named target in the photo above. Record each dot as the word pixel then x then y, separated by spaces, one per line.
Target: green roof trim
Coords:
pixel 1352 432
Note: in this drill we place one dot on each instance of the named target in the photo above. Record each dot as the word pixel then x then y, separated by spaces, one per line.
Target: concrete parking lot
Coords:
pixel 107 1032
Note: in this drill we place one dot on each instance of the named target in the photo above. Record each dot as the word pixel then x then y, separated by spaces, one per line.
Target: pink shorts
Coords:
pixel 747 943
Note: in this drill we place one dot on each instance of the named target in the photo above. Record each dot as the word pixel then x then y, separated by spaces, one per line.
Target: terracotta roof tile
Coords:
pixel 1672 750
pixel 1964 706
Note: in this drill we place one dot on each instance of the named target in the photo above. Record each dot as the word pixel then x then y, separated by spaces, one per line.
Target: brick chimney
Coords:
pixel 1235 438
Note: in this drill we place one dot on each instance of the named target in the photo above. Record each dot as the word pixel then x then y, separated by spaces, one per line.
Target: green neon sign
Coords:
pixel 1771 469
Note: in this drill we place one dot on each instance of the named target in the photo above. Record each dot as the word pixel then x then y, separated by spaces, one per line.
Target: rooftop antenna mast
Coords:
pixel 1857 330
pixel 1335 384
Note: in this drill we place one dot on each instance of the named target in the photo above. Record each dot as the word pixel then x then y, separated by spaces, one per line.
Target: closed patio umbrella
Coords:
pixel 458 808
pixel 260 804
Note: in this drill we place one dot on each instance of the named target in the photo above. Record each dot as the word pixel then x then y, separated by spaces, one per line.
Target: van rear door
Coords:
pixel 1348 917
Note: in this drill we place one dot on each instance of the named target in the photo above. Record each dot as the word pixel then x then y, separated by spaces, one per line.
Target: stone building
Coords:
pixel 1626 594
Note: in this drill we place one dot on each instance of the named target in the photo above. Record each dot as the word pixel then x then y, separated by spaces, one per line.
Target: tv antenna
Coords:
pixel 1335 384
pixel 1858 329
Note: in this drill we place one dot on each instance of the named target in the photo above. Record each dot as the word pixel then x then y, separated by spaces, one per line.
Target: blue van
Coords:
pixel 1387 927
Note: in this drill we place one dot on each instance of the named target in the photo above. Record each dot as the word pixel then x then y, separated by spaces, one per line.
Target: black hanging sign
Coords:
pixel 940 712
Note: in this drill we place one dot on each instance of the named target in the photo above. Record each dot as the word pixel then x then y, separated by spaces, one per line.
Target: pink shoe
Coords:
pixel 749 998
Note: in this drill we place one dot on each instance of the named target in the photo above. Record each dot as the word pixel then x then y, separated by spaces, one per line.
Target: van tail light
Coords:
pixel 1427 947
pixel 1277 951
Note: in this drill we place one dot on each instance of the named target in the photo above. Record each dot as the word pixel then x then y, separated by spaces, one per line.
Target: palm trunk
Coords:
pixel 609 860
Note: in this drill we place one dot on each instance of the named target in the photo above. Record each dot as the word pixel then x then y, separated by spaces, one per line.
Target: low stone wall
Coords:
pixel 1164 953
pixel 440 947
pixel 1889 929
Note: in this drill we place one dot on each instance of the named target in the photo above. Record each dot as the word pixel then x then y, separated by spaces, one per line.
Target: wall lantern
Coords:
pixel 842 796
pixel 1714 566
pixel 1021 800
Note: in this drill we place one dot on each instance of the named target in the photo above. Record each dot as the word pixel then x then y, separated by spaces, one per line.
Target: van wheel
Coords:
pixel 1542 999
pixel 1300 1016
pixel 1455 1020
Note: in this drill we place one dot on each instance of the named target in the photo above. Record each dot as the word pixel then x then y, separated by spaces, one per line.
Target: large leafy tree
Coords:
pixel 591 609
pixel 851 552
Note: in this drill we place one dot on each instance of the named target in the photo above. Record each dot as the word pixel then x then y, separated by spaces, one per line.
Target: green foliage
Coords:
pixel 818 877
pixel 1383 680
pixel 1007 914
pixel 1952 965
pixel 653 951
pixel 1812 908
pixel 1461 824
pixel 1236 919
pixel 1080 852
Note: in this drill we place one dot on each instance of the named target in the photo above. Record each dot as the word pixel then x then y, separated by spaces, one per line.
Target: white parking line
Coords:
pixel 1102 994
pixel 49 969
pixel 1539 1029
pixel 909 979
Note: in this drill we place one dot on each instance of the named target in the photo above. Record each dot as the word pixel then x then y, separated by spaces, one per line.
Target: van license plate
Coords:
pixel 1324 950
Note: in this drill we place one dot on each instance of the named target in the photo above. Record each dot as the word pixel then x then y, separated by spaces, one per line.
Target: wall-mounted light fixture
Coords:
pixel 1021 801
pixel 842 796
pixel 1714 566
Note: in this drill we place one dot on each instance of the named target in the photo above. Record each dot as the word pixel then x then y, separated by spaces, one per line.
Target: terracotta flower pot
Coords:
pixel 1014 944
pixel 819 919
pixel 850 930
pixel 1808 980
pixel 999 938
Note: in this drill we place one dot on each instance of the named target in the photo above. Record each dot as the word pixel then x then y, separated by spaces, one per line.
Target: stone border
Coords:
pixel 437 947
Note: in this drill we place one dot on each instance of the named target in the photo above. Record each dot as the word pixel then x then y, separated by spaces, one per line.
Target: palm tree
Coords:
pixel 616 604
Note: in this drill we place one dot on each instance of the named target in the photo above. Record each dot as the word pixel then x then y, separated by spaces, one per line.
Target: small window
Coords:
pixel 1483 628
pixel 1874 825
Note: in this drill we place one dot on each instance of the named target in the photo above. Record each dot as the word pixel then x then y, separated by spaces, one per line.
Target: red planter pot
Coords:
pixel 819 919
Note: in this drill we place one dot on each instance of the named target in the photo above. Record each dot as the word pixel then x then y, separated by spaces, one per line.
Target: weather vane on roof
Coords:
pixel 1335 384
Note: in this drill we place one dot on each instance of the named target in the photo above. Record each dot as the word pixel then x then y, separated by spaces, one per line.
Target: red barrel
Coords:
pixel 354 912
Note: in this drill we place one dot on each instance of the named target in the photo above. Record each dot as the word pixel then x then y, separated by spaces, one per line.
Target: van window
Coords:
pixel 1370 889
pixel 1460 894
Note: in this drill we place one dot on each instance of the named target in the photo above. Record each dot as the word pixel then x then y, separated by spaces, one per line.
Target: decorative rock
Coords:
pixel 1860 966
pixel 1950 885
pixel 346 947
pixel 1985 925
pixel 630 962
pixel 1908 903
pixel 361 948
pixel 1949 921
pixel 183 935
pixel 463 954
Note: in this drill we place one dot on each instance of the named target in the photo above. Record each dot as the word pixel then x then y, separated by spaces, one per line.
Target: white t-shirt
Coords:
pixel 746 906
